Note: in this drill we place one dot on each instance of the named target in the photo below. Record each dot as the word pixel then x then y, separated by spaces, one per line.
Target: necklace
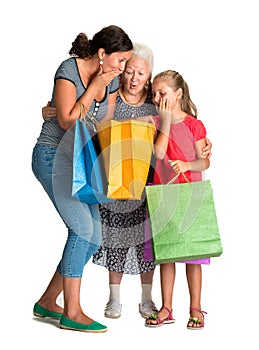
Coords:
pixel 132 103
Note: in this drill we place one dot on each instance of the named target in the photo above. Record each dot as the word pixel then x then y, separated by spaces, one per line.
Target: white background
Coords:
pixel 214 44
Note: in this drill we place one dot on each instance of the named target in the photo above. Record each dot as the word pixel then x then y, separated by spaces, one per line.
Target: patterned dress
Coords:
pixel 123 221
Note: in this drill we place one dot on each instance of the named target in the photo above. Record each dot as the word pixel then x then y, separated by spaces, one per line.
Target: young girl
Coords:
pixel 178 149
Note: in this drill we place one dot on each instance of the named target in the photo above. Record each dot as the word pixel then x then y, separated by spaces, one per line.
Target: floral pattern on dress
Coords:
pixel 123 221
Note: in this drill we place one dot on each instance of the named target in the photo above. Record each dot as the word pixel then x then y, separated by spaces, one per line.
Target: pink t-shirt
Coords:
pixel 181 146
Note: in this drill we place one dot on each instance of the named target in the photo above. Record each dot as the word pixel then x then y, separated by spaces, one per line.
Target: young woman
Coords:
pixel 89 78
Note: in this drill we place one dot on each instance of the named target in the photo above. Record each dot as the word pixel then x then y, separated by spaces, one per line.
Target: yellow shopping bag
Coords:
pixel 126 149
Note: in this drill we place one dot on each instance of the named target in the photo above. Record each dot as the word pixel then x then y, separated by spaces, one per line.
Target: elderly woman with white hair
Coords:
pixel 123 236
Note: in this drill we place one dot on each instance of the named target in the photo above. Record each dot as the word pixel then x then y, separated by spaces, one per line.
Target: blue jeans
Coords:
pixel 52 166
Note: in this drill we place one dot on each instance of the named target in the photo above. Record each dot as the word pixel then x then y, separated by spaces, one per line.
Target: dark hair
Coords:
pixel 111 39
pixel 80 46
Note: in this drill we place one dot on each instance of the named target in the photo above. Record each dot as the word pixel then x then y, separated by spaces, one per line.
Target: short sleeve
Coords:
pixel 196 127
pixel 199 131
pixel 66 71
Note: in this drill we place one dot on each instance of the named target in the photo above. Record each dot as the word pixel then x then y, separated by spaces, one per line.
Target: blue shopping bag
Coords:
pixel 89 178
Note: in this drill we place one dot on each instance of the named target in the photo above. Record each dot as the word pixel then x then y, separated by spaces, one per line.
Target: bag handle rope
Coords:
pixel 83 115
pixel 176 176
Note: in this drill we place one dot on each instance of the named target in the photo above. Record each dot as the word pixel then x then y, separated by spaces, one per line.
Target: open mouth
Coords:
pixel 133 86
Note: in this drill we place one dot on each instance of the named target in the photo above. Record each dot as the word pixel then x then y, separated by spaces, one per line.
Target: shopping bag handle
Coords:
pixel 176 176
pixel 83 115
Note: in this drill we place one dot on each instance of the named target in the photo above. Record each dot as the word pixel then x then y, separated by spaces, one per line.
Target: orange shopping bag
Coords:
pixel 126 149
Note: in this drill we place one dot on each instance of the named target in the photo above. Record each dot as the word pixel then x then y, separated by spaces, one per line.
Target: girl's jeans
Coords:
pixel 52 166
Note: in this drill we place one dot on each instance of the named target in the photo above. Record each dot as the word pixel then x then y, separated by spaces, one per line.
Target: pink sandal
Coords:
pixel 169 319
pixel 196 320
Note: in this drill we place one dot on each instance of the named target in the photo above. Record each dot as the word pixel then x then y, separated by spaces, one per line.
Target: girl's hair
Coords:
pixel 111 39
pixel 144 52
pixel 176 81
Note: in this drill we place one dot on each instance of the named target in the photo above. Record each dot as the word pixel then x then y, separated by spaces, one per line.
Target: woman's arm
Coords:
pixel 68 110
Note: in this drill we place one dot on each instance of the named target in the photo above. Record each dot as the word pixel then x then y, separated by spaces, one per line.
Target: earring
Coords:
pixel 101 62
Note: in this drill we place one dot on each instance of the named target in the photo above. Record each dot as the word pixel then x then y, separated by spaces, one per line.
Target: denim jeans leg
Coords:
pixel 77 253
pixel 81 219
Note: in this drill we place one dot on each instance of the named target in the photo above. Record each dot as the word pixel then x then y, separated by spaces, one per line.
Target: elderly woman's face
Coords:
pixel 135 75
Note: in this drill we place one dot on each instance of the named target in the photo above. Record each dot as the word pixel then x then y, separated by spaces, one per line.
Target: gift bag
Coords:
pixel 183 222
pixel 148 249
pixel 126 149
pixel 88 183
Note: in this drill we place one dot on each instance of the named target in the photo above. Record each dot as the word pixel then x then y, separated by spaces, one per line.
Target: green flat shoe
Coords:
pixel 94 327
pixel 40 311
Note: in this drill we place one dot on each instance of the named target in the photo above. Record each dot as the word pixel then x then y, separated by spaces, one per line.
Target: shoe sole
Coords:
pixel 43 316
pixel 154 325
pixel 84 330
pixel 160 324
pixel 110 316
pixel 195 328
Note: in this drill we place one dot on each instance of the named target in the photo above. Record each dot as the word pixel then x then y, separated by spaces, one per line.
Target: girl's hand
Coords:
pixel 179 166
pixel 164 108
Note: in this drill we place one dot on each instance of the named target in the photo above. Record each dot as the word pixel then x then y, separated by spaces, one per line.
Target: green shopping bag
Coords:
pixel 183 222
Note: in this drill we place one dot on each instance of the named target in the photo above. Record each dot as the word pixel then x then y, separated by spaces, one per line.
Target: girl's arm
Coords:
pixel 202 163
pixel 161 141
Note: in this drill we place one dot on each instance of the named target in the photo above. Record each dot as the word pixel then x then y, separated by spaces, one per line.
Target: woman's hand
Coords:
pixel 101 80
pixel 145 118
pixel 206 151
pixel 48 111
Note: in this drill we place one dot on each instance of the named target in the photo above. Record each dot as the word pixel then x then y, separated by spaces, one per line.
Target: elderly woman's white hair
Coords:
pixel 144 52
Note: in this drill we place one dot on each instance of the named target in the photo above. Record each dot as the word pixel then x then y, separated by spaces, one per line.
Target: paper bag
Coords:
pixel 183 222
pixel 126 150
pixel 88 183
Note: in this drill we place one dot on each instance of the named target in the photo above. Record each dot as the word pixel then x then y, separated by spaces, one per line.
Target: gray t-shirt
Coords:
pixel 51 132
